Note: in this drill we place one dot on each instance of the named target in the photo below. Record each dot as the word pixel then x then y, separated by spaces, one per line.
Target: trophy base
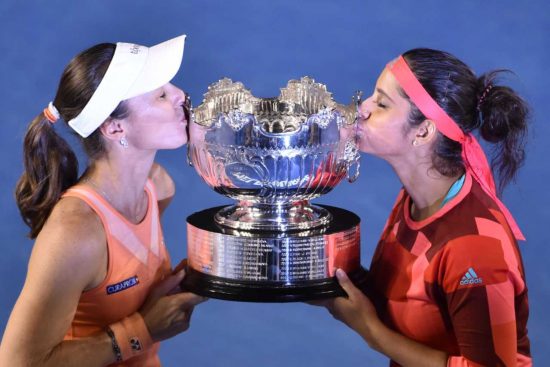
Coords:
pixel 272 266
pixel 258 291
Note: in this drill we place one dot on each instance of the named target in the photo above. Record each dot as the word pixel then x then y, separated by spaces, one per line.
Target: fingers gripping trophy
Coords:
pixel 273 155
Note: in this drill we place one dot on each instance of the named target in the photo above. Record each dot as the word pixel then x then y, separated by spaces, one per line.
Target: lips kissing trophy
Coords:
pixel 272 155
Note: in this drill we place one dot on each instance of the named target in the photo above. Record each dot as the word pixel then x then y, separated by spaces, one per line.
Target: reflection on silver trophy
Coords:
pixel 272 155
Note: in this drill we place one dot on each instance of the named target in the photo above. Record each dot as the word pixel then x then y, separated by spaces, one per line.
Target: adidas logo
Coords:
pixel 470 278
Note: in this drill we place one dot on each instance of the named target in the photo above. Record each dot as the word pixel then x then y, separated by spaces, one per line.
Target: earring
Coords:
pixel 415 143
pixel 124 142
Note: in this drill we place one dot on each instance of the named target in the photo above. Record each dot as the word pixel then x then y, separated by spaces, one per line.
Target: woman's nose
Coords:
pixel 364 110
pixel 178 94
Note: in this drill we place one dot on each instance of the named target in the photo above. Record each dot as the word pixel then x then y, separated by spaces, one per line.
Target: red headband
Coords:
pixel 472 153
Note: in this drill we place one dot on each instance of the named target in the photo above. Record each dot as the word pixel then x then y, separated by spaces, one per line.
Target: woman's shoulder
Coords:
pixel 73 213
pixel 72 242
pixel 73 228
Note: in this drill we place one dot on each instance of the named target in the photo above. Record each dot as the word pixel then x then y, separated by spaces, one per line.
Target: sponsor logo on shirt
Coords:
pixel 470 278
pixel 123 285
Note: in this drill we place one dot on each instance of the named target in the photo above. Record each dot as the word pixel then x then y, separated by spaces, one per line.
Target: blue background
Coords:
pixel 341 43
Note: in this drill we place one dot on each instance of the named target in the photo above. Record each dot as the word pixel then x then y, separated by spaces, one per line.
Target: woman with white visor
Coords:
pixel 100 289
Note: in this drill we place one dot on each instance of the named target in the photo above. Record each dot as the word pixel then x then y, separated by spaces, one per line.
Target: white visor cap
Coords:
pixel 133 70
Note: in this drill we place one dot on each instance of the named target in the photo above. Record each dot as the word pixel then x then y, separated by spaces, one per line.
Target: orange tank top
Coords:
pixel 137 260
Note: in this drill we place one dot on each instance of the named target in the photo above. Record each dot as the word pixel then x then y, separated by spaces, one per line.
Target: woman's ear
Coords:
pixel 425 133
pixel 113 129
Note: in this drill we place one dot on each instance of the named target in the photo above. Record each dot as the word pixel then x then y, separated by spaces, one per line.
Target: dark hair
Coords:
pixel 473 103
pixel 51 166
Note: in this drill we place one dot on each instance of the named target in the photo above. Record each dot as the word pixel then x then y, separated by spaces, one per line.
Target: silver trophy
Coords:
pixel 272 155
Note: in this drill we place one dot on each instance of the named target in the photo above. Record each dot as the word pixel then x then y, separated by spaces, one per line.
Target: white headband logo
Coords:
pixel 134 49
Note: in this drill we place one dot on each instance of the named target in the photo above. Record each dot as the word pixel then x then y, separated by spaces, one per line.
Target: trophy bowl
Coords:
pixel 272 155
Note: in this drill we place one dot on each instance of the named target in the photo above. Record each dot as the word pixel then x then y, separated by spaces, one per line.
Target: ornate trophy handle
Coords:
pixel 353 166
pixel 354 163
pixel 190 117
pixel 357 99
pixel 189 161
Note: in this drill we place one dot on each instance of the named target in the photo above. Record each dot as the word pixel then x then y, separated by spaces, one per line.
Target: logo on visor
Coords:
pixel 123 285
pixel 134 49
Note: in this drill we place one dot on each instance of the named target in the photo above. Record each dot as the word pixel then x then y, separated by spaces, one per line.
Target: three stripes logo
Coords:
pixel 470 278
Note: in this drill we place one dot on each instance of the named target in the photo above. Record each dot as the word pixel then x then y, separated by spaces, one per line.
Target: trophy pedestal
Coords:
pixel 264 266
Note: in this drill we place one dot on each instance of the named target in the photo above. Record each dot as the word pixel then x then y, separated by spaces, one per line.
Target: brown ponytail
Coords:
pixel 503 118
pixel 51 167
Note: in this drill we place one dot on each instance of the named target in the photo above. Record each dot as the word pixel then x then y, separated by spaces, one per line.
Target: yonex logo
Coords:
pixel 470 278
pixel 135 344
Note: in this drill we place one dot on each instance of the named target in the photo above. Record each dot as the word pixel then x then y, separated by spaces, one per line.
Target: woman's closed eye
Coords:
pixel 380 104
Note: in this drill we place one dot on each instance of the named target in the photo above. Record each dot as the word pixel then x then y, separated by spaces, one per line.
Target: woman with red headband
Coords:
pixel 100 289
pixel 447 284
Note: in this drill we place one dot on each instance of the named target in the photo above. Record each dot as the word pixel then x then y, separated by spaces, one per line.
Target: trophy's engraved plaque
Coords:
pixel 272 155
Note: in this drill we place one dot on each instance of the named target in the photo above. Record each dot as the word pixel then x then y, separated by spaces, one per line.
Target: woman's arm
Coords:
pixel 483 313
pixel 164 186
pixel 489 310
pixel 359 314
pixel 68 256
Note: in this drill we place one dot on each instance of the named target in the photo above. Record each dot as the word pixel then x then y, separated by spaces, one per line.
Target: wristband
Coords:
pixel 131 335
pixel 114 344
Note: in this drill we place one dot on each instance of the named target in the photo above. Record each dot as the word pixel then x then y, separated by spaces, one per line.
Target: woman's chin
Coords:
pixel 175 143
